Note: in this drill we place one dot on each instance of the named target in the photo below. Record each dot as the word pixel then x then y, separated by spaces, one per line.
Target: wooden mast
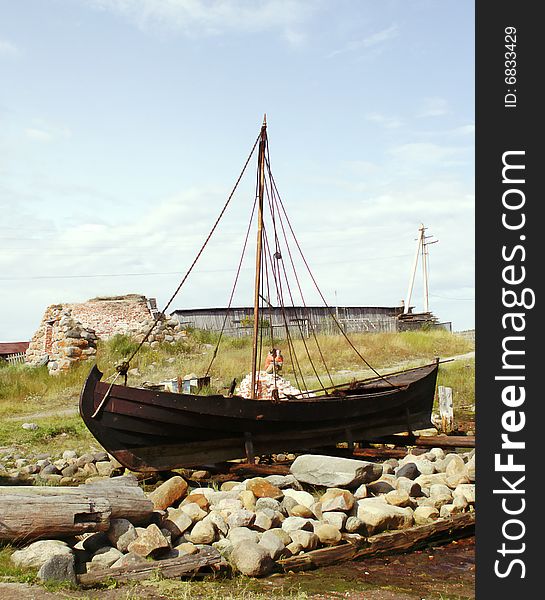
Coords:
pixel 261 187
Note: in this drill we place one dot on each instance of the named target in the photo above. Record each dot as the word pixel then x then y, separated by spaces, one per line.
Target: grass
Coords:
pixel 460 376
pixel 9 572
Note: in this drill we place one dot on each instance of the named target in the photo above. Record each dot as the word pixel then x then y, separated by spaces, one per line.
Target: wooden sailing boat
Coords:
pixel 149 430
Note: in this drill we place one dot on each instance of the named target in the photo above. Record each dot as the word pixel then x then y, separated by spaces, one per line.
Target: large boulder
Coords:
pixel 252 559
pixel 332 471
pixel 59 567
pixel 378 516
pixel 38 553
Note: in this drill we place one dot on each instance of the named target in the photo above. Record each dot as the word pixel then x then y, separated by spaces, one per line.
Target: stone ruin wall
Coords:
pixel 69 333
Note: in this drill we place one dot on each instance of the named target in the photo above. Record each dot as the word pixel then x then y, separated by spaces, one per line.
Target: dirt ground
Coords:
pixel 440 573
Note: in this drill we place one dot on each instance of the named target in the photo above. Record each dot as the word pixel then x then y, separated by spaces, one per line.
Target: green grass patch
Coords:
pixel 460 376
pixel 9 572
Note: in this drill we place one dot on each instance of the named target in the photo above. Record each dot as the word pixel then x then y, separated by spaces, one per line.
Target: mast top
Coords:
pixel 264 120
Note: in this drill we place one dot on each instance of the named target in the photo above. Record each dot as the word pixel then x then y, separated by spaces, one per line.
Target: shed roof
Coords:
pixel 13 347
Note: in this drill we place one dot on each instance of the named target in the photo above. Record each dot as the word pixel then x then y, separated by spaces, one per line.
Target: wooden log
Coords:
pixel 384 543
pixel 38 512
pixel 172 567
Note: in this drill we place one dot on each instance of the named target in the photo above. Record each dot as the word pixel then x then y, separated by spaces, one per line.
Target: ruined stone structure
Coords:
pixel 68 332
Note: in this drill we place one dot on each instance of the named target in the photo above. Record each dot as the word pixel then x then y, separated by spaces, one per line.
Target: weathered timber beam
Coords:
pixel 38 512
pixel 389 542
pixel 172 567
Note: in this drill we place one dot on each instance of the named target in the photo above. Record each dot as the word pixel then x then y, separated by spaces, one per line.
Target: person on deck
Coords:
pixel 278 360
pixel 269 361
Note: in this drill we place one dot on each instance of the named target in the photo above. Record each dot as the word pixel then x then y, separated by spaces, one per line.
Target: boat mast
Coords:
pixel 261 187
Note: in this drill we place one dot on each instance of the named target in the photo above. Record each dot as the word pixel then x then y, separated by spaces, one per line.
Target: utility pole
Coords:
pixel 421 249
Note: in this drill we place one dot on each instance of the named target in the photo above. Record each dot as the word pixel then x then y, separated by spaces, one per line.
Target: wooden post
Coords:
pixel 446 408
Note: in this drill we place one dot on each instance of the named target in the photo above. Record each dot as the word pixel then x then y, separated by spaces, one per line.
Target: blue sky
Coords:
pixel 124 124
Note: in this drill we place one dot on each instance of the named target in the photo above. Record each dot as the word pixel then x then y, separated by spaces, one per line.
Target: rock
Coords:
pixel 50 470
pixel 337 499
pixel 200 475
pixel 270 503
pixel 91 542
pixel 68 454
pixel 287 504
pixel 129 561
pixel 262 488
pixel 224 547
pixel 425 514
pixel 217 521
pixel 453 481
pixel 437 453
pixel 295 523
pixel 448 510
pixel 29 426
pixel 100 456
pixel 149 541
pixel 440 494
pixel 337 519
pixel 332 471
pixel 426 481
pixel 284 481
pixel 38 553
pixel 316 510
pixel 470 469
pixel 328 534
pixel 455 465
pixel 227 486
pixel 70 470
pixel 121 533
pixel 398 498
pixel 408 470
pixel 263 519
pixel 308 540
pixel 273 544
pixel 361 492
pixel 379 487
pixel 193 511
pixel 240 518
pixel 251 559
pixel 467 491
pixel 199 499
pixel 412 488
pixel 186 548
pixel 168 492
pixel 378 516
pixel 104 468
pixel 301 497
pixel 58 568
pixel 177 521
pixel 228 505
pixel 249 500
pixel 353 525
pixel 293 548
pixel 203 533
pixel 240 534
pixel 104 558
pixel 301 511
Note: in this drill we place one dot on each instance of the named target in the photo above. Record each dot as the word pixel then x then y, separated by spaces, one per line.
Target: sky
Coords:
pixel 124 125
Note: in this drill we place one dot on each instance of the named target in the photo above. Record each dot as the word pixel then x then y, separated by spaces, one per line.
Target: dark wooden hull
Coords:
pixel 154 431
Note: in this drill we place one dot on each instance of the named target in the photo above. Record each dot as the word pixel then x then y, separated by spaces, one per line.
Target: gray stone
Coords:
pixel 251 559
pixel 240 534
pixel 58 568
pixel 361 492
pixel 104 558
pixel 379 487
pixel 203 532
pixel 301 497
pixel 337 519
pixel 353 525
pixel 378 516
pixel 263 520
pixel 284 481
pixel 336 499
pixel 121 533
pixel 409 470
pixel 274 545
pixel 240 518
pixel 271 503
pixel 332 471
pixel 38 553
pixel 295 523
pixel 130 560
pixel 328 534
pixel 308 540
pixel 29 426
pixel 149 542
pixel 440 494
pixel 408 485
pixel 467 491
pixel 425 514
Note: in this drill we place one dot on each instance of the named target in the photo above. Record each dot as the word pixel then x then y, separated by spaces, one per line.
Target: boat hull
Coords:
pixel 147 430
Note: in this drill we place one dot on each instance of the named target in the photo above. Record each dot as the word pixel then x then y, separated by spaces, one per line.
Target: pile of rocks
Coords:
pixel 258 521
pixel 60 341
pixel 165 331
pixel 266 383
pixel 69 469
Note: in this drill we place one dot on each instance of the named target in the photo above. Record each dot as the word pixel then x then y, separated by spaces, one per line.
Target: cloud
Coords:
pixel 433 107
pixel 47 133
pixel 8 49
pixel 214 17
pixel 388 122
pixel 370 41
